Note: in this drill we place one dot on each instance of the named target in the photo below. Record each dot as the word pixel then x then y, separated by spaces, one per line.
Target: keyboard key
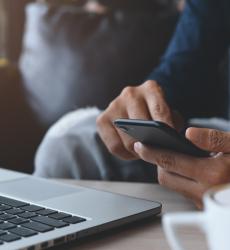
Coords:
pixel 27 215
pixel 24 232
pixel 6 216
pixel 9 237
pixel 37 227
pixel 12 202
pixel 15 211
pixel 18 221
pixel 6 226
pixel 32 208
pixel 74 220
pixel 4 207
pixel 59 216
pixel 46 212
pixel 50 221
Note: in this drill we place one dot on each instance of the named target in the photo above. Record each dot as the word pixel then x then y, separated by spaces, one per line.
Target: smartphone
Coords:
pixel 159 135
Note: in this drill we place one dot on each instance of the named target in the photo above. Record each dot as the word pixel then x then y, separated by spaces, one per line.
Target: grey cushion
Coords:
pixel 73 59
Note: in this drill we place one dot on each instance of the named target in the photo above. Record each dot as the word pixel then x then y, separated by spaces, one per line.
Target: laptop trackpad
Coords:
pixel 34 189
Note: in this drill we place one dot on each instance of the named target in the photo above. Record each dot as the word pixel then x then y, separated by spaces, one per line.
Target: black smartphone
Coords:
pixel 160 135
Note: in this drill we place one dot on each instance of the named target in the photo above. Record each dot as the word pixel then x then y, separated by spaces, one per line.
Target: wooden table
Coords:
pixel 142 235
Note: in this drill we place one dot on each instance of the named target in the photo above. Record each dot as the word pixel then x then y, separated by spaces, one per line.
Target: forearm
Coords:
pixel 189 69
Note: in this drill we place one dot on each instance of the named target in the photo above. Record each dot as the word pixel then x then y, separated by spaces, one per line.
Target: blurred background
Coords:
pixel 12 16
pixel 60 55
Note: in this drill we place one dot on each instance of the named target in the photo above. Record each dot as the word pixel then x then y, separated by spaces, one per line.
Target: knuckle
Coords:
pixel 160 110
pixel 128 92
pixel 151 85
pixel 215 140
pixel 167 161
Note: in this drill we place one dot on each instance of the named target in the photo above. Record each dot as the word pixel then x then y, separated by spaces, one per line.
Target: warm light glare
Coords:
pixel 3 62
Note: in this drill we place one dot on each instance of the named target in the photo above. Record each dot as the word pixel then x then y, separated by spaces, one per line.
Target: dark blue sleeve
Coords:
pixel 189 69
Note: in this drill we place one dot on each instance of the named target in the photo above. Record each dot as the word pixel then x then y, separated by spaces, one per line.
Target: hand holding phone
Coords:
pixel 160 135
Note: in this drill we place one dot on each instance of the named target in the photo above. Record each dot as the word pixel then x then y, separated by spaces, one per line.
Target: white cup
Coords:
pixel 214 220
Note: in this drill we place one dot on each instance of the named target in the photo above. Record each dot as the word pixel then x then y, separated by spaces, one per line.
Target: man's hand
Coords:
pixel 143 102
pixel 189 175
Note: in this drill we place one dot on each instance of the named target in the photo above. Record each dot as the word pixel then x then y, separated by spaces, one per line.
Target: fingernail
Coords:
pixel 137 146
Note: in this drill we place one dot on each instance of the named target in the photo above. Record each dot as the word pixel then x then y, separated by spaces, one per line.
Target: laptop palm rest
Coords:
pixel 35 189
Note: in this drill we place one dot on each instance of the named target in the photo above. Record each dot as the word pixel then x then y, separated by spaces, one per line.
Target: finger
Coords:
pixel 115 145
pixel 157 105
pixel 112 139
pixel 203 170
pixel 210 139
pixel 137 109
pixel 128 144
pixel 189 188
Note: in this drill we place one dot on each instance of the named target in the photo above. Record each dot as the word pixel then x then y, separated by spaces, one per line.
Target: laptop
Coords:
pixel 37 213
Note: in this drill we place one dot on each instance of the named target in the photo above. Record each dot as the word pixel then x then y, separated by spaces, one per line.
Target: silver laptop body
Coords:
pixel 99 210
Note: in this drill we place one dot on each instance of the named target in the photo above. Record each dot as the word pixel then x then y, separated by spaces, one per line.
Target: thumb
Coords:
pixel 209 139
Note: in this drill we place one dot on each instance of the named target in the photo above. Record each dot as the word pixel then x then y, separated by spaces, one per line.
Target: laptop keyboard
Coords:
pixel 19 219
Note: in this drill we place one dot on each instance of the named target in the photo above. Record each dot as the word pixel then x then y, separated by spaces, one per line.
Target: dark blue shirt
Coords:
pixel 189 69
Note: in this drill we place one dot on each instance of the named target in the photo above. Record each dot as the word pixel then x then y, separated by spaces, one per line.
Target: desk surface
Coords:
pixel 142 235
